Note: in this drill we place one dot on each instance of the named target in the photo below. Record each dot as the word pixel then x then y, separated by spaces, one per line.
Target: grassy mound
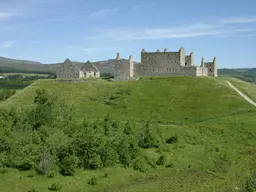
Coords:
pixel 247 88
pixel 174 100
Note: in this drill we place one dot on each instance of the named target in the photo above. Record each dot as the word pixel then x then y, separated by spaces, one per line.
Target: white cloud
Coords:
pixel 7 44
pixel 103 12
pixel 185 31
pixel 143 6
pixel 5 15
pixel 234 20
pixel 159 33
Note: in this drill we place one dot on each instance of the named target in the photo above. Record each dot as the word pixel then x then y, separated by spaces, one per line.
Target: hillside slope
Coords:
pixel 248 89
pixel 173 100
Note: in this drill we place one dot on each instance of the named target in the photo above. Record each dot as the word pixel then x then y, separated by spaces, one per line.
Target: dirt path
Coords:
pixel 240 93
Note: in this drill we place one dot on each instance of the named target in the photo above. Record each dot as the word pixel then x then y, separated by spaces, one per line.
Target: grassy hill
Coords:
pixel 211 148
pixel 177 100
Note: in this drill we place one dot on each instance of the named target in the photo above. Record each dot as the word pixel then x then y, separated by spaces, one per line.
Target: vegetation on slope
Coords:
pixel 45 141
pixel 54 136
pixel 174 100
pixel 247 88
pixel 248 75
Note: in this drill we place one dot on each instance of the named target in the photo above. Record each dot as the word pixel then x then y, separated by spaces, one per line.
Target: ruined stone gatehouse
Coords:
pixel 69 70
pixel 164 64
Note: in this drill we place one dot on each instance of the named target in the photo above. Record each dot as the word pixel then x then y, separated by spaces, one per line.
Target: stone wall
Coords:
pixel 165 64
pixel 190 60
pixel 201 71
pixel 124 69
pixel 211 66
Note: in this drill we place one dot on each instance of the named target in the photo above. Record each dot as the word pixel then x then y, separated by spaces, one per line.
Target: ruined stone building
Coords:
pixel 164 64
pixel 70 70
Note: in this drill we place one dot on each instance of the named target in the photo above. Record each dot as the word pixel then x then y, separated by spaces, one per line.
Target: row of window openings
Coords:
pixel 168 69
pixel 69 75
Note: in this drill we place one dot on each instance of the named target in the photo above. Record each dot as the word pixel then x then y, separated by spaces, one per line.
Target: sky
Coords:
pixel 50 31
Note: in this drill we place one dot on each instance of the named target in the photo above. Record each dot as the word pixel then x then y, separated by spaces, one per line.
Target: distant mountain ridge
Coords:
pixel 105 66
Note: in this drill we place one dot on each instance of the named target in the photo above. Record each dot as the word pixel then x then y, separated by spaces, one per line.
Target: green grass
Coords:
pixel 215 155
pixel 247 88
pixel 216 146
pixel 174 100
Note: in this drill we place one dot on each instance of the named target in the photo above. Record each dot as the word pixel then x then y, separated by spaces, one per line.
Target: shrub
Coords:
pixel 51 174
pixel 150 161
pixel 172 139
pixel 93 181
pixel 105 174
pixel 95 162
pixel 3 170
pixel 161 160
pixel 32 190
pixel 140 164
pixel 124 153
pixel 251 183
pixel 46 164
pixel 31 174
pixel 147 138
pixel 68 165
pixel 109 156
pixel 170 165
pixel 55 187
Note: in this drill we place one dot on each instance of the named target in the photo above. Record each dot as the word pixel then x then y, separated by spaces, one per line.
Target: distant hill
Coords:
pixel 106 66
pixel 244 74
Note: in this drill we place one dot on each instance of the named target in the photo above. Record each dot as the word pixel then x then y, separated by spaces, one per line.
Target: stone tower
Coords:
pixel 131 66
pixel 118 56
pixel 192 57
pixel 182 56
pixel 215 67
pixel 202 63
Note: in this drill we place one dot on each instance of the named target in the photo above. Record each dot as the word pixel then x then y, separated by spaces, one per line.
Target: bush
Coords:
pixel 171 165
pixel 68 165
pixel 3 170
pixel 46 164
pixel 105 174
pixel 251 183
pixel 161 160
pixel 32 190
pixel 31 174
pixel 172 140
pixel 150 161
pixel 55 187
pixel 109 156
pixel 93 181
pixel 51 174
pixel 140 164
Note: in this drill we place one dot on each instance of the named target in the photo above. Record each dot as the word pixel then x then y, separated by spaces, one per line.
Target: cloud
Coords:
pixel 7 44
pixel 102 13
pixel 143 6
pixel 4 15
pixel 185 31
pixel 234 20
pixel 159 33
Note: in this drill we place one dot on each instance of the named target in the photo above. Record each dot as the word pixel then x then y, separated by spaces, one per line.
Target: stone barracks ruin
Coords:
pixel 163 64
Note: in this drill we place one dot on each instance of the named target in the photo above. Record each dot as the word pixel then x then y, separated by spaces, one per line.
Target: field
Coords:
pixel 178 100
pixel 215 148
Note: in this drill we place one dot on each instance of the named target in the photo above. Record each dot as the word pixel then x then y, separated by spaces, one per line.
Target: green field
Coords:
pixel 215 149
pixel 177 100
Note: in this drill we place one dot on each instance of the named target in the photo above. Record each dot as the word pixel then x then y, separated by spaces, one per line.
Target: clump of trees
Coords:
pixel 6 93
pixel 46 138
